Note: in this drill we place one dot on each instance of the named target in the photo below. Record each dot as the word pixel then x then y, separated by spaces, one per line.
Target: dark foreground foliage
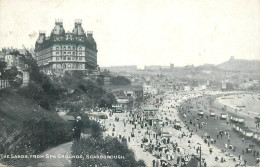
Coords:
pixel 27 128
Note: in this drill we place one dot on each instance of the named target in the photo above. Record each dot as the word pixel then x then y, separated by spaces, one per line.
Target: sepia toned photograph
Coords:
pixel 129 83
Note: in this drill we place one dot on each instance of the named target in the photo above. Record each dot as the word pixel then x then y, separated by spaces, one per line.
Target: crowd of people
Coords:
pixel 169 136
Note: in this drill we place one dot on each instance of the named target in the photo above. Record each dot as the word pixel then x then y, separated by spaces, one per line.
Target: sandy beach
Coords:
pixel 188 139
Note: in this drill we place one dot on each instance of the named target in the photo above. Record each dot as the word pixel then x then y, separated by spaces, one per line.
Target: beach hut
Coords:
pixel 212 114
pixel 247 133
pixel 241 130
pixel 223 116
pixel 233 119
pixel 256 136
pixel 240 120
pixel 237 119
pixel 200 113
pixel 236 128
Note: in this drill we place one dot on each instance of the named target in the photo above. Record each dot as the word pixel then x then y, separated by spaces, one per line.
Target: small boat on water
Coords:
pixel 241 106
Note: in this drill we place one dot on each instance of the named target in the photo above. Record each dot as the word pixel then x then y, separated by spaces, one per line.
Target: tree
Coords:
pixel 100 80
pixel 3 65
pixel 107 100
pixel 120 80
pixel 96 130
pixel 11 73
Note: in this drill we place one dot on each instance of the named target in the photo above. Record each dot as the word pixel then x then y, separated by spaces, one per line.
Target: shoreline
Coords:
pixel 247 113
pixel 217 125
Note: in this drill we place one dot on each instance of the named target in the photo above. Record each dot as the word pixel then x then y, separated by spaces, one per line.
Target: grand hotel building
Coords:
pixel 62 51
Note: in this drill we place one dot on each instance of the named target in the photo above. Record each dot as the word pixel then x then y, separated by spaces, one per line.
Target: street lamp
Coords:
pixel 1 79
pixel 200 153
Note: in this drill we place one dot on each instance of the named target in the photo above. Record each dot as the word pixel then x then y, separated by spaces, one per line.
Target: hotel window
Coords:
pixel 68 53
pixel 69 58
pixel 73 48
pixel 80 54
pixel 64 52
pixel 80 48
pixel 57 53
pixel 80 58
pixel 69 48
pixel 57 48
pixel 64 47
pixel 57 58
pixel 64 58
pixel 73 53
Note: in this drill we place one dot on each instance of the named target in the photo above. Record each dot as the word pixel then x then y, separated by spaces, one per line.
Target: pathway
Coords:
pixel 57 156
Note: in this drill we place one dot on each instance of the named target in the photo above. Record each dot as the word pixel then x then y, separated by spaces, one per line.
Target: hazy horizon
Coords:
pixel 143 32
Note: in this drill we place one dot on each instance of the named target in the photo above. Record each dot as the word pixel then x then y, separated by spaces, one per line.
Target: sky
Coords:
pixel 143 32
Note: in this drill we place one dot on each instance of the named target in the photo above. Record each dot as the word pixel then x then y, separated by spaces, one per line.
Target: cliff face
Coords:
pixel 240 65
